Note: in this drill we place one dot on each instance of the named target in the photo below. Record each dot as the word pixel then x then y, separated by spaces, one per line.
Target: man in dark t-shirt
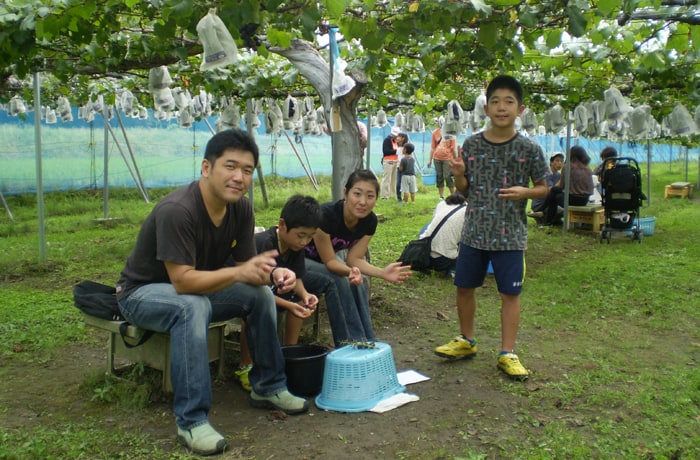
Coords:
pixel 176 281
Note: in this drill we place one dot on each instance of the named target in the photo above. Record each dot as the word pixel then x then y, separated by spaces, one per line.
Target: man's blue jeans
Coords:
pixel 348 305
pixel 186 318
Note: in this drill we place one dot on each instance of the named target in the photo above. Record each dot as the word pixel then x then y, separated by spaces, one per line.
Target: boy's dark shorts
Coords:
pixel 508 269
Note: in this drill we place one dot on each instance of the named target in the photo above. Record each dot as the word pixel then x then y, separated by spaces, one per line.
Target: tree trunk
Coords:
pixel 345 143
pixel 249 115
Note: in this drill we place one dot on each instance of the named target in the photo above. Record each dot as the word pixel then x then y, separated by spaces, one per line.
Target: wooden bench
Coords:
pixel 592 216
pixel 155 352
pixel 681 189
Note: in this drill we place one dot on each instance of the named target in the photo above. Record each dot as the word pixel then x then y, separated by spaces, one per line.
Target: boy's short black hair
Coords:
pixel 608 152
pixel 409 148
pixel 235 139
pixel 505 82
pixel 301 211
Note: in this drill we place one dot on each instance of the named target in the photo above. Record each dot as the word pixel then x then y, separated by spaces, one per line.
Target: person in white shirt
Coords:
pixel 445 245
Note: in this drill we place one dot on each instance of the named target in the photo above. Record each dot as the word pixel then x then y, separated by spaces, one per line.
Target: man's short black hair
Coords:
pixel 505 82
pixel 409 148
pixel 235 139
pixel 301 211
pixel 555 156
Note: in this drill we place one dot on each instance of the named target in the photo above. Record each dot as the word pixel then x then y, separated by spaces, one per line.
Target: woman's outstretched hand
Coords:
pixel 397 273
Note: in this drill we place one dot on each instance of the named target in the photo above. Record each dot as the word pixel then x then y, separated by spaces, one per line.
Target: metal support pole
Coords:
pixel 648 172
pixel 6 206
pixel 39 171
pixel 567 174
pixel 137 178
pixel 105 187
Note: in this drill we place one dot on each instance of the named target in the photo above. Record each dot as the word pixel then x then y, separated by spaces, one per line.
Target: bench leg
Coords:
pixel 219 331
pixel 167 383
pixel 110 354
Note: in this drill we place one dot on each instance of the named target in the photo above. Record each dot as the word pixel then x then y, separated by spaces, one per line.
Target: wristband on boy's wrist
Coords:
pixel 272 280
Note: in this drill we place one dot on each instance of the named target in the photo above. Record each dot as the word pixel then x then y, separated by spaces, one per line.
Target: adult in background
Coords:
pixel 556 163
pixel 338 252
pixel 442 150
pixel 390 163
pixel 580 190
pixel 176 281
pixel 444 247
pixel 362 128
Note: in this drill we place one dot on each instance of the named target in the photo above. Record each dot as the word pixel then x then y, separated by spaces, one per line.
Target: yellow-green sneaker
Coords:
pixel 242 376
pixel 459 347
pixel 509 363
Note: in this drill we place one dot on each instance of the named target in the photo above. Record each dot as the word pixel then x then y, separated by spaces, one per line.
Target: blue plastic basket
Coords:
pixel 355 379
pixel 646 224
pixel 429 176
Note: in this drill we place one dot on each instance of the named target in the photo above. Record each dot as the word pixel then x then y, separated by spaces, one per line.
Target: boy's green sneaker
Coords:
pixel 509 363
pixel 459 347
pixel 242 376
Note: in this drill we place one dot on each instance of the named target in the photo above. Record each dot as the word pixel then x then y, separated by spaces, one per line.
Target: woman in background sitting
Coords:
pixel 580 189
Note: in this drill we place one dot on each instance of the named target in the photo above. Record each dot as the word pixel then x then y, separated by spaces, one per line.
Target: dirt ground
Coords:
pixel 439 425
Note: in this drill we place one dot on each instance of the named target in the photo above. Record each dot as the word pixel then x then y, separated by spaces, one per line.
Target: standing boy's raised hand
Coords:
pixel 457 166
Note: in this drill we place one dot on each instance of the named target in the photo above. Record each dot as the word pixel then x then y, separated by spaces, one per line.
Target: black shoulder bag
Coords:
pixel 417 252
pixel 100 300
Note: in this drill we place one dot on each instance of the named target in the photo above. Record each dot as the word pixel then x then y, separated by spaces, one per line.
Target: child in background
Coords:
pixel 407 167
pixel 299 219
pixel 606 153
pixel 401 141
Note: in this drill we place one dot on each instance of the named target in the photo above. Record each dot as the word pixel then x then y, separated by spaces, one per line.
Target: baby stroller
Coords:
pixel 621 196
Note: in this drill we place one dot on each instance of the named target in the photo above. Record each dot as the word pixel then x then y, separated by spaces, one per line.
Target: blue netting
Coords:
pixel 167 155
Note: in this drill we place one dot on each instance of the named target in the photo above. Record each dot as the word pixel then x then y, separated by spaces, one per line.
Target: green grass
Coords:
pixel 615 327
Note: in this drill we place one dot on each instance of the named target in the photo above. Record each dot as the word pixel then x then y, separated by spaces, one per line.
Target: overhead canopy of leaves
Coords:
pixel 414 53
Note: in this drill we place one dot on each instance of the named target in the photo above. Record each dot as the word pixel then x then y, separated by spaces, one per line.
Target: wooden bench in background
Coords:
pixel 681 189
pixel 592 216
pixel 155 352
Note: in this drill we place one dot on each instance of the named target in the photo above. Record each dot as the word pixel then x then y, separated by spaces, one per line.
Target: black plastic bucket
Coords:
pixel 304 365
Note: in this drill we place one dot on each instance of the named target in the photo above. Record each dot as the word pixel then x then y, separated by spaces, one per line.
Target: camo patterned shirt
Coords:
pixel 492 223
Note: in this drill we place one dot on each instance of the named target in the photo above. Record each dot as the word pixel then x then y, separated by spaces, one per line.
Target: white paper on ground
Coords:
pixel 393 402
pixel 410 376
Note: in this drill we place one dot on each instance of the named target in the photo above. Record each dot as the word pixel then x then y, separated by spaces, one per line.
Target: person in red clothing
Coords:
pixel 442 150
pixel 390 163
